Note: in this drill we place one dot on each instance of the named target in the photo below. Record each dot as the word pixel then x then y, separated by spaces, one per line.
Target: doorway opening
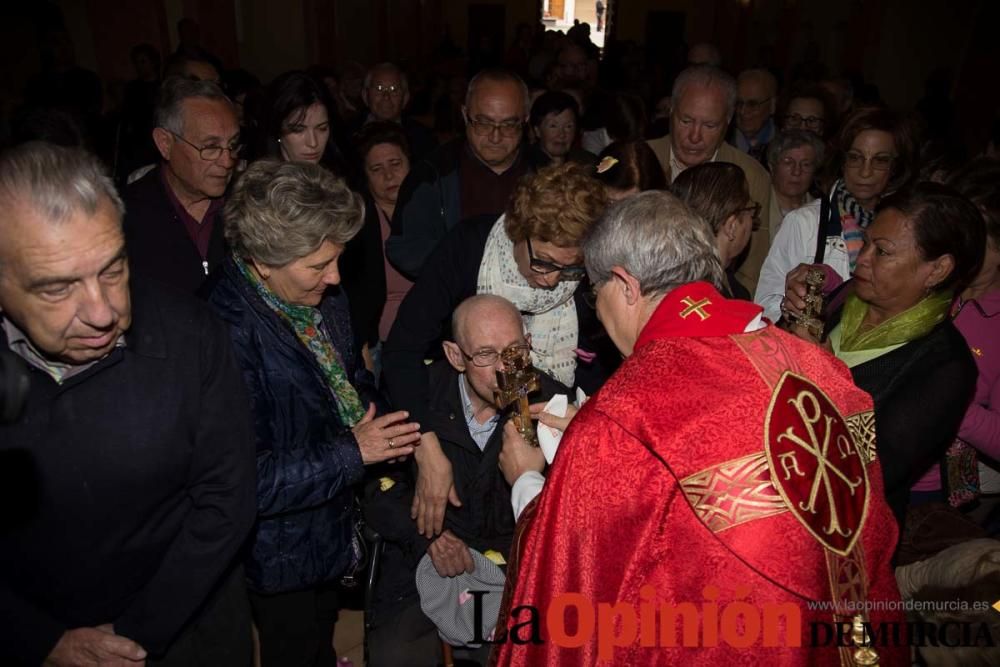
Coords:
pixel 562 15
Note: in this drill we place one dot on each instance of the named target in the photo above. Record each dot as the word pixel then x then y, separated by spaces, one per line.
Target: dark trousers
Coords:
pixel 220 633
pixel 296 629
pixel 408 637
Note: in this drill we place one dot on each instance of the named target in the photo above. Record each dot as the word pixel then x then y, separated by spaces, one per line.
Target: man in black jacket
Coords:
pixel 466 179
pixel 469 426
pixel 173 226
pixel 132 469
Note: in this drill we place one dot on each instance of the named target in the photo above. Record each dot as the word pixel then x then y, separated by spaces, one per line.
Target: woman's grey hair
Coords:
pixel 656 238
pixel 55 181
pixel 706 76
pixel 173 92
pixel 786 140
pixel 282 211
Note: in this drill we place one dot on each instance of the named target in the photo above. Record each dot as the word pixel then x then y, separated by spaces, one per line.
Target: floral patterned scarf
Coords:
pixel 306 322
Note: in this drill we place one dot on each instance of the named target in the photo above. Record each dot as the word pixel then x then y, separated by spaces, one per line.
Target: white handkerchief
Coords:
pixel 548 437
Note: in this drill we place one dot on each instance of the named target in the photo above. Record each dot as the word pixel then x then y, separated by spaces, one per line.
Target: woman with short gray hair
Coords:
pixel 314 403
pixel 794 157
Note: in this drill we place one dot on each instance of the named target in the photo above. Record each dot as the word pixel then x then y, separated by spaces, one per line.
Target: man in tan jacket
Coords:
pixel 704 99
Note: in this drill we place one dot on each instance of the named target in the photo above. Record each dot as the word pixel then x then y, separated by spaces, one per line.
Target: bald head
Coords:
pixel 484 313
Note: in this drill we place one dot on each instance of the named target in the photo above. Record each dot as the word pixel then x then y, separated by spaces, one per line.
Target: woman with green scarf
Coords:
pixel 894 332
pixel 318 420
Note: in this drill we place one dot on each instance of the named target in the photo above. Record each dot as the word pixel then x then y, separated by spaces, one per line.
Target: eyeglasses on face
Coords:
pixel 483 127
pixel 795 121
pixel 211 153
pixel 486 358
pixel 878 162
pixel 754 209
pixel 391 90
pixel 543 267
pixel 751 105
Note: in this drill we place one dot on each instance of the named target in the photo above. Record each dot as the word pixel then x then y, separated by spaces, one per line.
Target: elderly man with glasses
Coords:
pixel 465 180
pixel 756 99
pixel 172 226
pixel 469 422
pixel 531 257
pixel 386 93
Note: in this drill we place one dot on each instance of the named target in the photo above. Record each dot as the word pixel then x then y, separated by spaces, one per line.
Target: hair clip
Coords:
pixel 606 164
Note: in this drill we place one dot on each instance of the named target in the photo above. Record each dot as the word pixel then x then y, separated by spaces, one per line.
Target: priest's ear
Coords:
pixel 454 355
pixel 627 284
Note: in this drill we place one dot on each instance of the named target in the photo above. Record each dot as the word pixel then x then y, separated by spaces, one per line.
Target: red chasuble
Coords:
pixel 717 502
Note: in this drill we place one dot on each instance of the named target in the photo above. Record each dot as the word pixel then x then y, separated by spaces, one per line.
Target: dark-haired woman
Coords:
pixel 894 332
pixel 555 126
pixel 876 154
pixel 299 123
pixel 626 168
pixel 374 287
pixel 720 194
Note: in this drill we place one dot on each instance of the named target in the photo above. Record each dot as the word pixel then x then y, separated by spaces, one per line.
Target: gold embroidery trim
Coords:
pixel 848 591
pixel 862 428
pixel 733 492
pixel 768 354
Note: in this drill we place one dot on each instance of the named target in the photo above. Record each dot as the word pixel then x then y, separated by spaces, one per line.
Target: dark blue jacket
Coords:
pixel 307 460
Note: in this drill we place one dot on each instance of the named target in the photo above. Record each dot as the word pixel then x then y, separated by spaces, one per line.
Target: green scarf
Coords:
pixel 306 322
pixel 908 325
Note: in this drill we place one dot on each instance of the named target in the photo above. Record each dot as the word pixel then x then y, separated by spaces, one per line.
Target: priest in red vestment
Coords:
pixel 719 501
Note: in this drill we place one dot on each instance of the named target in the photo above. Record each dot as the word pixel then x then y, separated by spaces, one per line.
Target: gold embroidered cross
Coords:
pixel 696 307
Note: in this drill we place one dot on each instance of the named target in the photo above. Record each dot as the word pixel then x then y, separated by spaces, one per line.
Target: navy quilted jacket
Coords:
pixel 307 460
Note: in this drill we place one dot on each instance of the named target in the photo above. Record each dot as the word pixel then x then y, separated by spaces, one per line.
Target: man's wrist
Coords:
pixel 429 449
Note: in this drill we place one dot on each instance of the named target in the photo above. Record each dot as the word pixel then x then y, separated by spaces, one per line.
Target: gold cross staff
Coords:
pixel 695 307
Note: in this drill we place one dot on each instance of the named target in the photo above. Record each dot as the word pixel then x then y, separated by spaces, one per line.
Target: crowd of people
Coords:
pixel 265 333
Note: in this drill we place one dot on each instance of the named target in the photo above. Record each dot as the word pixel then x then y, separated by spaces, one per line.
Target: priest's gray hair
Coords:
pixel 657 239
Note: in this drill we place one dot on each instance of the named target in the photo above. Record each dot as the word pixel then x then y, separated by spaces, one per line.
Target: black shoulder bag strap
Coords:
pixel 824 221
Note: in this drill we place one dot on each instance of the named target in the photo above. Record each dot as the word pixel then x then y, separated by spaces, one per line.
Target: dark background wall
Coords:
pixel 895 44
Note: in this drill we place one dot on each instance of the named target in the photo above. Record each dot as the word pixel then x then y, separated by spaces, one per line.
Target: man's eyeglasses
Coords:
pixel 795 121
pixel 391 89
pixel 483 128
pixel 485 358
pixel 754 209
pixel 751 105
pixel 879 162
pixel 211 153
pixel 543 267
